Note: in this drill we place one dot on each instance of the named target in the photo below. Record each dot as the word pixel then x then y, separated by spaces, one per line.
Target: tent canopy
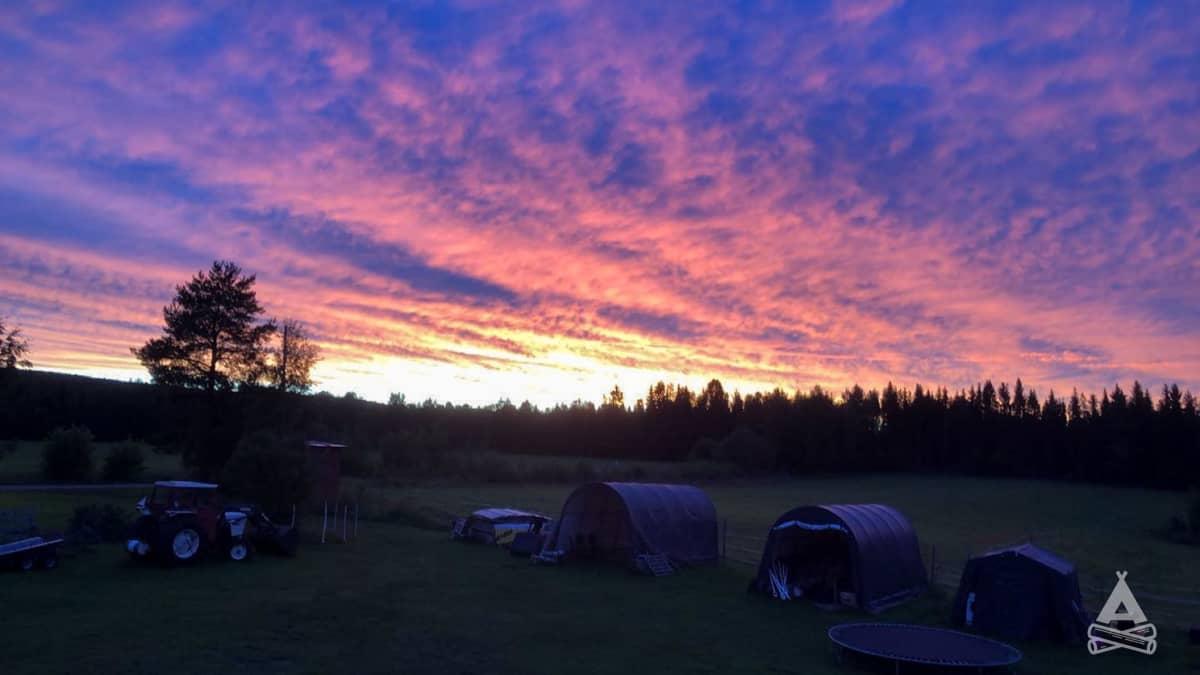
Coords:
pixel 496 515
pixel 1021 593
pixel 619 521
pixel 500 525
pixel 872 546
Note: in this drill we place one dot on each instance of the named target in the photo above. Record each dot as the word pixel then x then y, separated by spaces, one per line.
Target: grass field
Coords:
pixel 23 463
pixel 408 600
pixel 1102 529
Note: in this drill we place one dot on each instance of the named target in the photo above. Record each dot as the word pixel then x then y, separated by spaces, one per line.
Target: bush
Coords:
pixel 124 462
pixel 356 462
pixel 68 454
pixel 96 523
pixel 270 470
pixel 705 448
pixel 748 450
pixel 1193 515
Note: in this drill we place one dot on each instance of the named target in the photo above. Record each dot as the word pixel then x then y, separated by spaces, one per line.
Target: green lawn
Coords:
pixel 407 600
pixel 24 463
pixel 1102 529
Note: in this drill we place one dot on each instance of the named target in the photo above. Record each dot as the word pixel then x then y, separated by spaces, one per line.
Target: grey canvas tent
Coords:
pixel 620 521
pixel 1021 593
pixel 864 555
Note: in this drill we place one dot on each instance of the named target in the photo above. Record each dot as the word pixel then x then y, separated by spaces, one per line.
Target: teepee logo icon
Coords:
pixel 1122 624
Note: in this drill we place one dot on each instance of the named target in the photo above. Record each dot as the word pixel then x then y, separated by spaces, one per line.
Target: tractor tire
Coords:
pixel 181 541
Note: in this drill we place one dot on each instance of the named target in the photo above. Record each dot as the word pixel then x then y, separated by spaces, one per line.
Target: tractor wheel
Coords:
pixel 27 564
pixel 182 542
pixel 50 561
pixel 239 550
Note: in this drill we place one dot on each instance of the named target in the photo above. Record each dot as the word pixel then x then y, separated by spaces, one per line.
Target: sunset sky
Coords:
pixel 470 201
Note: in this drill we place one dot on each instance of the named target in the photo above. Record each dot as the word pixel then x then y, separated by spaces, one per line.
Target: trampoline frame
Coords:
pixel 1014 654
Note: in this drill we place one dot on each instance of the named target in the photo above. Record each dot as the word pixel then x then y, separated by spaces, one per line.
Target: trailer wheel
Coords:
pixel 50 561
pixel 27 564
pixel 239 550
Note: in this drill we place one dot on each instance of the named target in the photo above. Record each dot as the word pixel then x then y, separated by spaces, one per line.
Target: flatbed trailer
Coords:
pixel 30 553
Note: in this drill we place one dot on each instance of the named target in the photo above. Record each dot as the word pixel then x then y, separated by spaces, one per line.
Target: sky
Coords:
pixel 471 201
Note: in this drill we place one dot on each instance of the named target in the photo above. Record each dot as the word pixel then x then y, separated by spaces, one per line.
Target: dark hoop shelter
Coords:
pixel 620 521
pixel 864 555
pixel 1021 593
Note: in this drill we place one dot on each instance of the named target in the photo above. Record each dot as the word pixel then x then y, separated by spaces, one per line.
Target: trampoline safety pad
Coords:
pixel 923 645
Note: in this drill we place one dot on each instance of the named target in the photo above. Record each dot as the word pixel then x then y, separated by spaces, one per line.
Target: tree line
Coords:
pixel 1124 438
pixel 223 372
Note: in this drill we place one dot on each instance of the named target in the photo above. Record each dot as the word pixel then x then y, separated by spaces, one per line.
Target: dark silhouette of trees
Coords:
pixel 292 358
pixel 14 348
pixel 212 338
pixel 1118 438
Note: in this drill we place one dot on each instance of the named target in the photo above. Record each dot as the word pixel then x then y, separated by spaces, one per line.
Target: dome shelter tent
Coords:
pixel 1021 593
pixel 865 555
pixel 620 521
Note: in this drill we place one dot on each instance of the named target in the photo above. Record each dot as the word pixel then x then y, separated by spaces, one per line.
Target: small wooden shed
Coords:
pixel 325 459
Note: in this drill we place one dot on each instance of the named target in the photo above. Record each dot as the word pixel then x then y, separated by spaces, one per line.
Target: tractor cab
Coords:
pixel 178 496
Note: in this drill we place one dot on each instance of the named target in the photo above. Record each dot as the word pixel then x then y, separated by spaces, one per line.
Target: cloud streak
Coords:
pixel 541 200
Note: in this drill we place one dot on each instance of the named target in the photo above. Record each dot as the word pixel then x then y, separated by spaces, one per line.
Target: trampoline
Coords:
pixel 924 646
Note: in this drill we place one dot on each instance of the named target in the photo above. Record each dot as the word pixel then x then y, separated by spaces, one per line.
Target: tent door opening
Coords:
pixel 597 529
pixel 816 565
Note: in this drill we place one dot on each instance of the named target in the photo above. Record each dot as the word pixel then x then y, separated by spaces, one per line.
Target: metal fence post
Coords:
pixel 724 536
pixel 932 563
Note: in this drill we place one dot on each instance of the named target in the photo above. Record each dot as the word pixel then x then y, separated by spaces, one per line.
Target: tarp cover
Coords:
pixel 1021 593
pixel 884 557
pixel 620 521
pixel 500 525
pixel 500 514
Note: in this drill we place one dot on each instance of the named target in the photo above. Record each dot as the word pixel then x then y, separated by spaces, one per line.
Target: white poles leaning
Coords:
pixel 345 515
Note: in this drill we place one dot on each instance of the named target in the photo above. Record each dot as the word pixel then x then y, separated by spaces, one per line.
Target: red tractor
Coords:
pixel 182 520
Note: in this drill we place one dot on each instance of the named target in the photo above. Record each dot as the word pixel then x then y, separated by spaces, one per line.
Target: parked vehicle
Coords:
pixel 30 553
pixel 182 521
pixel 23 546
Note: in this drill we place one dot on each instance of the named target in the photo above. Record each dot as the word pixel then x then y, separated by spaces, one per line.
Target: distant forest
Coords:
pixel 1135 438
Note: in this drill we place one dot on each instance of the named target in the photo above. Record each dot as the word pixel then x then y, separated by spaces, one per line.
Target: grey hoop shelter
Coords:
pixel 1021 593
pixel 864 555
pixel 620 521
